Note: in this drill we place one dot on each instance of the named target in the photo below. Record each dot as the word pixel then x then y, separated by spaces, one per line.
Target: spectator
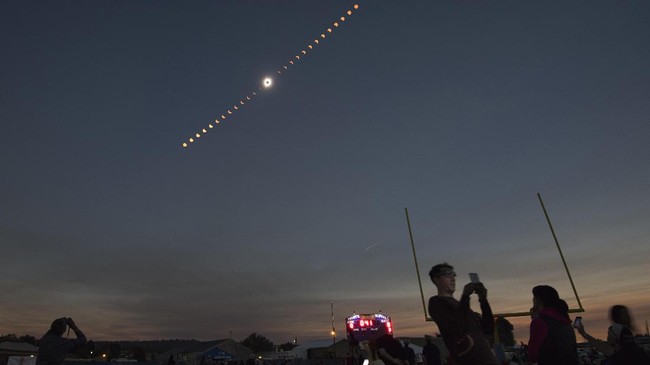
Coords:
pixel 390 350
pixel 552 341
pixel 349 359
pixel 409 353
pixel 52 347
pixel 373 356
pixel 465 332
pixel 620 347
pixel 431 353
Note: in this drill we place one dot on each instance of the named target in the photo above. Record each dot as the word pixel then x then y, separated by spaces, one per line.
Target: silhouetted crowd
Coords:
pixel 468 336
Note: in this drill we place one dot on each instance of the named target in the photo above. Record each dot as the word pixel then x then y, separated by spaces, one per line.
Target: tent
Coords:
pixel 217 353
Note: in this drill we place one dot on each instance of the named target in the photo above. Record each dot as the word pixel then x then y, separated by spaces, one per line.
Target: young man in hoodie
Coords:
pixel 465 332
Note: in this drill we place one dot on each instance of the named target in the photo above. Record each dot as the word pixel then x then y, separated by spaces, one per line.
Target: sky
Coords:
pixel 460 111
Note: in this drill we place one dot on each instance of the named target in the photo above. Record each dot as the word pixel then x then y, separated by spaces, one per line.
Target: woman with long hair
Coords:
pixel 552 340
pixel 620 347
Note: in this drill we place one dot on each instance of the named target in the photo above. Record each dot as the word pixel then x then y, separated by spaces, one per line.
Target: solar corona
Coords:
pixel 267 82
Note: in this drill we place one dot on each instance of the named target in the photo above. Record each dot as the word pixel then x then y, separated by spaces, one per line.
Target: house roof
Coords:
pixel 22 347
pixel 198 347
pixel 301 350
pixel 195 347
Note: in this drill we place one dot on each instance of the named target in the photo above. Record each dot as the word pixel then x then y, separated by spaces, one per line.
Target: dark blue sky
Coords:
pixel 459 110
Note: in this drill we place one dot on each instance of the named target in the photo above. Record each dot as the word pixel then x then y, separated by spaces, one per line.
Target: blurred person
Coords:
pixel 373 356
pixel 465 332
pixel 52 347
pixel 349 359
pixel 409 353
pixel 552 340
pixel 389 350
pixel 431 353
pixel 620 347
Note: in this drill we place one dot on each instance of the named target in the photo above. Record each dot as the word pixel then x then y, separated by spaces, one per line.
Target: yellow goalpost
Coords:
pixel 580 309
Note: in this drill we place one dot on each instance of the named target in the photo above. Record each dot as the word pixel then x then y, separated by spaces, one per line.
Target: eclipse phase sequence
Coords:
pixel 268 81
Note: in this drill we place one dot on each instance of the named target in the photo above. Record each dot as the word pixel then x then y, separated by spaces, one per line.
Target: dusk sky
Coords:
pixel 460 111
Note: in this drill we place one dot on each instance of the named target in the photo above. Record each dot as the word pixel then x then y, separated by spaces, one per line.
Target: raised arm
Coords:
pixel 487 318
pixel 81 338
pixel 600 345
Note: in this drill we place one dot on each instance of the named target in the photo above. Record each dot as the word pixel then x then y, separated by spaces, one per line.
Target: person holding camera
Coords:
pixel 465 332
pixel 52 347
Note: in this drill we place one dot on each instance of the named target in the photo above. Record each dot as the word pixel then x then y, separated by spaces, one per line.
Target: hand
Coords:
pixel 480 290
pixel 71 323
pixel 468 289
pixel 580 328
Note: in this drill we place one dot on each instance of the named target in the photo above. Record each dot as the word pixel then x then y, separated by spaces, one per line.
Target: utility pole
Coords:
pixel 333 330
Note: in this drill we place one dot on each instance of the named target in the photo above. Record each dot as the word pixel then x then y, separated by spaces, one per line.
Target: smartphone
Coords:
pixel 577 321
pixel 473 277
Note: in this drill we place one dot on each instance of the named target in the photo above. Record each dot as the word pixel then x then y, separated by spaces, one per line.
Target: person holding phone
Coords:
pixel 52 347
pixel 620 347
pixel 466 334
